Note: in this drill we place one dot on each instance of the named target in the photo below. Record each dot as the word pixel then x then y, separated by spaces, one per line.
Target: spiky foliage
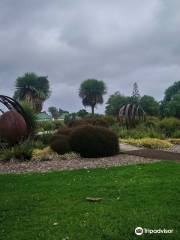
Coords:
pixel 92 91
pixel 29 115
pixel 33 89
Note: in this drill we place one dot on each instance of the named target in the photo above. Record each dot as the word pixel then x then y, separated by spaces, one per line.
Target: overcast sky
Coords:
pixel 118 41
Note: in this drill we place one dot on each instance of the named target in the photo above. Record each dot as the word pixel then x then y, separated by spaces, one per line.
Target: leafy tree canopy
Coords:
pixel 172 91
pixel 149 105
pixel 170 106
pixel 54 112
pixel 92 91
pixel 114 103
pixel 33 89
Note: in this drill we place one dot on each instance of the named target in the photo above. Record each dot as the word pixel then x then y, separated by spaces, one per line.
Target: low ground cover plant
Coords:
pixel 153 143
pixel 22 151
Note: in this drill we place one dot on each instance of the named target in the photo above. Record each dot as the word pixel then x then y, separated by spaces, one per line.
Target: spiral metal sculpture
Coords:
pixel 130 114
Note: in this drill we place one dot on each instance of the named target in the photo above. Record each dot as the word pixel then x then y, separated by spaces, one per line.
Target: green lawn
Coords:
pixel 53 206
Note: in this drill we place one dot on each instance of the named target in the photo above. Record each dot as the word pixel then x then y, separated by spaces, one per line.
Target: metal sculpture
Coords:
pixel 13 127
pixel 14 124
pixel 12 104
pixel 130 114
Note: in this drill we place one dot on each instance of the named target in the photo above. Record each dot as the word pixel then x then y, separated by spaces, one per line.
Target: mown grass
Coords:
pixel 53 205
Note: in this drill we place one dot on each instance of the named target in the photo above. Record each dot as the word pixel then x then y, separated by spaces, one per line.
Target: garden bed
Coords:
pixel 44 166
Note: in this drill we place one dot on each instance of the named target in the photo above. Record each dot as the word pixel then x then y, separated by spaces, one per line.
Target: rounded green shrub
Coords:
pixel 94 141
pixel 61 144
pixel 64 131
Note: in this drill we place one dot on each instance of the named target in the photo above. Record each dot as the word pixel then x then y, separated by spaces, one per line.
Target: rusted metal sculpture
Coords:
pixel 130 114
pixel 13 127
pixel 14 124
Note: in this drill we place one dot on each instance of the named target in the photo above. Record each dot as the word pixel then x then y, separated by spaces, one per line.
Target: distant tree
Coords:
pixel 135 94
pixel 54 112
pixel 171 91
pixel 170 106
pixel 114 103
pixel 149 105
pixel 82 113
pixel 61 111
pixel 33 89
pixel 92 91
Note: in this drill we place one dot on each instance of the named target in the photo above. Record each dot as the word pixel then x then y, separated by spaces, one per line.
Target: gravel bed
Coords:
pixel 58 165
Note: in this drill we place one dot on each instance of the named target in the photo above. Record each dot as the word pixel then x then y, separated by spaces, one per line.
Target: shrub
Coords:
pixel 57 124
pixel 151 122
pixel 111 120
pixel 138 132
pixel 176 134
pixel 64 131
pixel 21 151
pixel 60 144
pixel 169 126
pixel 69 117
pixel 153 143
pixel 41 154
pixel 48 125
pixel 44 138
pixel 94 141
pixel 88 121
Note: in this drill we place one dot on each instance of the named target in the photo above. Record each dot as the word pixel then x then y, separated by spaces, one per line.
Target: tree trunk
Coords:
pixel 92 107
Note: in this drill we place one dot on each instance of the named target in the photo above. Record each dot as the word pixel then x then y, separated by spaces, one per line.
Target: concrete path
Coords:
pixel 127 147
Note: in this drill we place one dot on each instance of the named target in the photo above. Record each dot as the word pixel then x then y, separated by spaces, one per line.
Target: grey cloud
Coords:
pixel 117 41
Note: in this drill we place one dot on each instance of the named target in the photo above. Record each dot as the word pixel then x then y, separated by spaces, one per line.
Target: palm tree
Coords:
pixel 32 89
pixel 92 91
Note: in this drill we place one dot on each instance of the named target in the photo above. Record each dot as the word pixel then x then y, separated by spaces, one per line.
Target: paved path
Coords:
pixel 127 147
pixel 156 154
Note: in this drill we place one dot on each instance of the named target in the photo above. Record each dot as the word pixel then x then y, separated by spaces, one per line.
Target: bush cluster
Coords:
pixel 170 126
pixel 21 151
pixel 138 132
pixel 88 121
pixel 87 140
pixel 94 141
pixel 61 144
pixel 60 140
